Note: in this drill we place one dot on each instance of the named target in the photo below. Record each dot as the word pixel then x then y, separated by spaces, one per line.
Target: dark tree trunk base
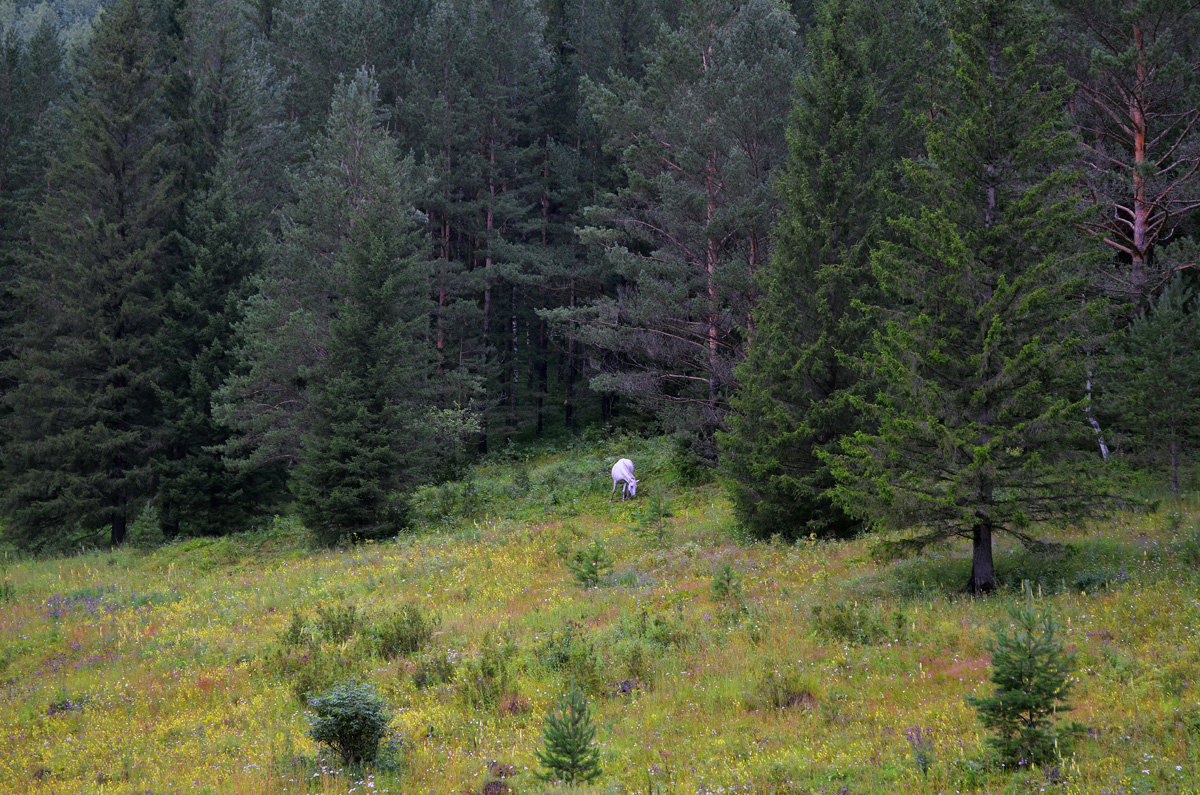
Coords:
pixel 983 572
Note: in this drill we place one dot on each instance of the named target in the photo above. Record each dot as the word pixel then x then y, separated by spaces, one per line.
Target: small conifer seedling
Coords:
pixel 569 754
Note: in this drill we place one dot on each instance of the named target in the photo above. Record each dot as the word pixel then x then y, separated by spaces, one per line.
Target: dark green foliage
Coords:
pixel 86 416
pixel 351 719
pixel 589 564
pixel 234 144
pixel 404 632
pixel 32 81
pixel 337 364
pixel 568 753
pixel 1091 580
pixel 978 421
pixel 1152 378
pixel 1032 674
pixel 845 136
pixel 699 136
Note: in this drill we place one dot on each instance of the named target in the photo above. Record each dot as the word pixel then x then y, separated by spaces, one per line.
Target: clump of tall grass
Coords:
pixel 483 681
pixel 403 632
pixel 852 622
pixel 776 688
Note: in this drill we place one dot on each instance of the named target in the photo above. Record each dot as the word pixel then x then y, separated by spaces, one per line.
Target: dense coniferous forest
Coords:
pixel 886 265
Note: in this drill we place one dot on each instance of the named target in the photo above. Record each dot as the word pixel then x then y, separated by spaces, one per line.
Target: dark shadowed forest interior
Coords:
pixel 874 265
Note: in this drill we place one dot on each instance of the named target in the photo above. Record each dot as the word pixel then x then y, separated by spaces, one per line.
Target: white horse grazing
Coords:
pixel 622 472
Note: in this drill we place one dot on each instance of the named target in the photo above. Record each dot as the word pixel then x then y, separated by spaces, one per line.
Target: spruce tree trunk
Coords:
pixel 983 572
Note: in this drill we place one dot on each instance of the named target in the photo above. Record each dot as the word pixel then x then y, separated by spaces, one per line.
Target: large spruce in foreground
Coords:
pixel 980 425
pixel 86 418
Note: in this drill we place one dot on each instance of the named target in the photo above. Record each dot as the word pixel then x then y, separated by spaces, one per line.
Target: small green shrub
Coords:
pixel 575 658
pixel 1092 580
pixel 636 660
pixel 300 632
pixel 665 632
pixel 146 531
pixel 338 623
pixel 487 679
pixel 590 564
pixel 447 503
pixel 404 632
pixel 727 585
pixel 776 689
pixel 351 719
pixel 568 753
pixel 650 519
pixel 851 622
pixel 433 669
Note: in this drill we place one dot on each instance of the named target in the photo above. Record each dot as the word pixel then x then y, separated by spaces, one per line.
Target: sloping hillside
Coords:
pixel 712 664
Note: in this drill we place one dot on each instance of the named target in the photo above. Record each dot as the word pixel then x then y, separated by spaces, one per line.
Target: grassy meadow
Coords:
pixel 712 664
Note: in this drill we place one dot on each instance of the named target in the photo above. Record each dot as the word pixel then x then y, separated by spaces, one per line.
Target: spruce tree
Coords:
pixel 86 417
pixel 1032 674
pixel 846 134
pixel 32 83
pixel 980 425
pixel 1153 378
pixel 569 754
pixel 236 142
pixel 337 362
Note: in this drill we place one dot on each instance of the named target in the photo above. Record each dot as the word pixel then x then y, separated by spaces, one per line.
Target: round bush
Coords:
pixel 351 719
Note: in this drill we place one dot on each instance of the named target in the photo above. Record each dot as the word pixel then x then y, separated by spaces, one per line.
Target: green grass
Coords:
pixel 186 668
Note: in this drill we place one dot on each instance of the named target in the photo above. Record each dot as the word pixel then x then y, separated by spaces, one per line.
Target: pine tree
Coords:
pixel 980 427
pixel 1032 674
pixel 699 136
pixel 475 104
pixel 86 417
pixel 569 754
pixel 1136 65
pixel 845 136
